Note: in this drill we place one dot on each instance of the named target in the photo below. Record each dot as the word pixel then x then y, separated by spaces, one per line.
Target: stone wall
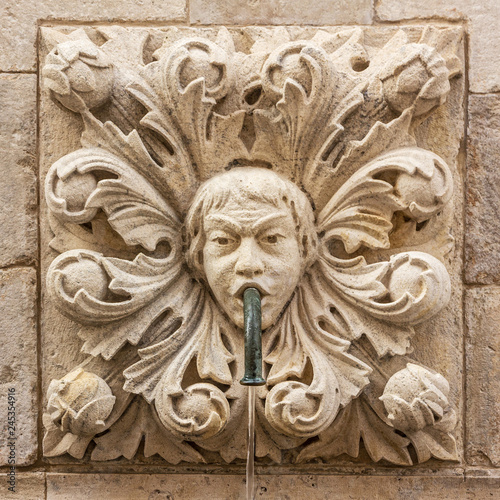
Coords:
pixel 477 475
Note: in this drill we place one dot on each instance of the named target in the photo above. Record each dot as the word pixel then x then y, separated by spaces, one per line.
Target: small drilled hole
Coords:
pixel 359 65
pixel 253 95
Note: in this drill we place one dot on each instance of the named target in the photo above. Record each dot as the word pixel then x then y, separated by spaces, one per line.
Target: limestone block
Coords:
pixel 17 169
pixel 483 29
pixel 184 184
pixel 18 366
pixel 482 241
pixel 483 376
pixel 280 12
pixel 28 486
pixel 18 21
pixel 269 487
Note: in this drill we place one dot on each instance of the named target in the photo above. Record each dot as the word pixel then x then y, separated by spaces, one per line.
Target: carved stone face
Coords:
pixel 252 237
pixel 251 245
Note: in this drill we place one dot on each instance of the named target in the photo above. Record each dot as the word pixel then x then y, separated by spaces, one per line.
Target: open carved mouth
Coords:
pixel 250 284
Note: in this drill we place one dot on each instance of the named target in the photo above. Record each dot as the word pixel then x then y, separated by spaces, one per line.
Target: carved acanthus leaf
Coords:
pixel 314 98
pixel 191 308
pixel 413 181
pixel 378 288
pixel 81 281
pixel 131 203
pixel 359 421
pixel 140 422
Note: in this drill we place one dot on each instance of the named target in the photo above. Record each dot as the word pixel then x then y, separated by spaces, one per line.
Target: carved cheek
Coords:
pixel 218 270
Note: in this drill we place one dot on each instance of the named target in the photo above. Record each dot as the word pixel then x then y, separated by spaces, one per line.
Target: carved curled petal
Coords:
pixel 131 329
pixel 137 222
pixel 79 280
pixel 355 276
pixel 295 409
pixel 313 100
pixel 132 150
pixel 301 63
pixel 57 442
pixel 140 275
pixel 211 139
pixel 197 73
pixel 412 180
pixel 416 287
pixel 432 442
pixel 303 410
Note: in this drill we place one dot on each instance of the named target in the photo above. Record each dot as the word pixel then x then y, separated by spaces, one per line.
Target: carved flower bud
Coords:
pixel 292 62
pixel 80 403
pixel 198 58
pixel 294 410
pixel 79 74
pixel 417 76
pixel 198 65
pixel 415 398
pixel 201 411
pixel 76 190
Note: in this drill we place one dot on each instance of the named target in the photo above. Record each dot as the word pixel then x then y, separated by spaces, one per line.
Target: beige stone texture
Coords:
pixel 17 169
pixel 483 18
pixel 18 366
pixel 289 487
pixel 482 242
pixel 280 12
pixel 29 486
pixel 413 258
pixel 483 376
pixel 19 21
pixel 438 343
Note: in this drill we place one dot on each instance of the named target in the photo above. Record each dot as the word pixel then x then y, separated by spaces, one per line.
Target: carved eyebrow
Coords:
pixel 225 221
pixel 267 221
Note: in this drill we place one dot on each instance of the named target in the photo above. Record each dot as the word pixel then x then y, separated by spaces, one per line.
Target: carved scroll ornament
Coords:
pixel 208 170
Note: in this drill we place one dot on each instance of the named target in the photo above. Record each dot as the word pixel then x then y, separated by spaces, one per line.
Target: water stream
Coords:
pixel 251 444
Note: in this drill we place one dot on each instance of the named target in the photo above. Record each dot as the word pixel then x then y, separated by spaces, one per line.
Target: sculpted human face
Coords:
pixel 254 245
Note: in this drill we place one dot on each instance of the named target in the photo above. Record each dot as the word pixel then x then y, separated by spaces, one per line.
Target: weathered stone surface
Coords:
pixel 483 376
pixel 280 12
pixel 482 240
pixel 29 486
pixel 345 273
pixel 484 40
pixel 18 21
pixel 289 487
pixel 18 365
pixel 17 169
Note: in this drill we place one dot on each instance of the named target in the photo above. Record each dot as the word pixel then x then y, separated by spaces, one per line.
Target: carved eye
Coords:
pixel 223 241
pixel 272 239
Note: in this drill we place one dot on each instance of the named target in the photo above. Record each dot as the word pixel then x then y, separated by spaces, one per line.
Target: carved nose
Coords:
pixel 249 263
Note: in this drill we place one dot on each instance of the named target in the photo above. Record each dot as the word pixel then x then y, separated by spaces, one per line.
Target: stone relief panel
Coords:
pixel 191 164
